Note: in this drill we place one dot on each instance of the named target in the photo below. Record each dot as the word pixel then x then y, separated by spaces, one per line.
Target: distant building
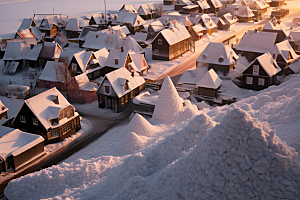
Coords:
pixel 281 34
pixel 203 6
pixel 226 21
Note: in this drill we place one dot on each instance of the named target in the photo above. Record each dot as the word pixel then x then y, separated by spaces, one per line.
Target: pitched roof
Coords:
pixel 26 24
pixel 94 40
pixel 38 34
pixel 284 49
pixel 192 76
pixel 179 18
pixel 116 54
pixel 75 24
pixel 130 44
pixel 156 25
pixel 16 142
pixel 145 9
pixel 49 71
pixel 260 42
pixel 19 51
pixel 3 108
pixel 128 8
pixel 295 66
pixel 203 4
pixel 101 55
pixel 139 61
pixel 229 18
pixel 48 109
pixel 139 37
pixel 85 84
pixel 117 79
pixel 207 22
pixel 216 3
pixel 295 35
pixel 268 64
pixel 26 33
pixel 215 52
pixel 245 11
pixel 51 50
pixel 176 33
pixel 83 58
pixel 269 26
pixel 130 18
pixel 210 80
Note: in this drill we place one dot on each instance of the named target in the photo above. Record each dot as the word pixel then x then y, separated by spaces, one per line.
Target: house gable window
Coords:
pixel 221 59
pixel 249 80
pixel 159 41
pixel 172 50
pixel 204 57
pixel 261 81
pixel 22 119
pixel 156 51
pixel 116 61
pixel 54 133
pixel 255 69
pixel 35 122
pixel 107 89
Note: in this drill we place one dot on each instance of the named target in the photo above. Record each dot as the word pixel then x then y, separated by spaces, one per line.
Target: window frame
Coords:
pixel 156 51
pixel 255 72
pixel 249 80
pixel 22 119
pixel 105 89
pixel 261 81
pixel 54 133
pixel 159 41
pixel 116 61
pixel 35 121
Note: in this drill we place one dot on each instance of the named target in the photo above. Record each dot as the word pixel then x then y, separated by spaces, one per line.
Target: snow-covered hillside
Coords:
pixel 240 151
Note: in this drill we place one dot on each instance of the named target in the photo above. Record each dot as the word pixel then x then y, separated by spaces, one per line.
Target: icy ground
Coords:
pixel 241 151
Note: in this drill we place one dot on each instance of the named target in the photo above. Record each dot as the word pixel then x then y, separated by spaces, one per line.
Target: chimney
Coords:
pixel 132 73
pixel 56 99
pixel 274 56
pixel 31 46
pixel 97 35
pixel 122 49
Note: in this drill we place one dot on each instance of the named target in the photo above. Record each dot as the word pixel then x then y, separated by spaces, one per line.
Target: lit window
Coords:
pixel 159 41
pixel 255 69
pixel 261 81
pixel 122 101
pixel 172 50
pixel 22 119
pixel 156 51
pixel 67 127
pixel 107 89
pixel 35 121
pixel 131 95
pixel 54 133
pixel 126 98
pixel 249 80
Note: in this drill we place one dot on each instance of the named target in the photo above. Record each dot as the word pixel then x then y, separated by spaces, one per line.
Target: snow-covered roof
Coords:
pixel 229 18
pixel 5 130
pixel 217 53
pixel 117 79
pixel 176 33
pixel 45 25
pixel 183 2
pixel 85 84
pixel 207 22
pixel 284 49
pixel 124 29
pixel 75 24
pixel 210 80
pixel 17 142
pixel 66 56
pixel 26 33
pixel 101 55
pixel 269 26
pixel 48 109
pixel 51 50
pixel 139 61
pixel 203 4
pixel 13 105
pixel 145 98
pixel 94 40
pixel 130 18
pixel 130 44
pixel 38 34
pixel 190 7
pixel 49 71
pixel 128 8
pixel 179 18
pixel 260 42
pixel 192 76
pixel 245 11
pixel 3 43
pixel 61 39
pixel 116 54
pixel 3 108
pixel 268 64
pixel 157 25
pixel 145 9
pixel 140 37
pixel 216 3
pixel 198 28
pixel 295 35
pixel 83 58
pixel 26 24
pixel 19 51
pixel 295 66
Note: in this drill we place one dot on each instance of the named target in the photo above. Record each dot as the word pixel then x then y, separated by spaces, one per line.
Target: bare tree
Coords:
pixel 160 10
pixel 64 76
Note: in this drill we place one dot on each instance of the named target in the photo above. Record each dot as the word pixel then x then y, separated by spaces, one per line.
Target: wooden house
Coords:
pixel 261 73
pixel 26 24
pixel 284 54
pixel 214 6
pixel 49 29
pixel 294 40
pixel 203 6
pixel 217 56
pixel 197 32
pixel 95 41
pixel 146 11
pixel 3 110
pixel 55 118
pixel 97 66
pixel 209 84
pixel 254 44
pixel 260 5
pixel 179 4
pixel 281 34
pixel 226 21
pixel 118 89
pixel 61 40
pixel 207 23
pixel 133 21
pixel 154 28
pixel 189 79
pixel 128 9
pixel 17 148
pixel 25 54
pixel 168 2
pixel 189 9
pixel 166 19
pixel 276 3
pixel 138 64
pixel 74 27
pixel 279 13
pixel 50 52
pixel 244 14
pixel 83 90
pixel 171 43
pixel 117 58
pixel 81 62
pixel 293 68
pixel 13 106
pixel 130 44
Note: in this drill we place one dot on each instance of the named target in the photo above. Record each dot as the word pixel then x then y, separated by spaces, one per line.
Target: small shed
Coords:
pixel 226 21
pixel 214 5
pixel 209 84
pixel 197 32
pixel 203 6
pixel 244 14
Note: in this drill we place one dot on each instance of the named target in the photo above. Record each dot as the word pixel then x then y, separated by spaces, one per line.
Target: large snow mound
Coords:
pixel 132 142
pixel 141 126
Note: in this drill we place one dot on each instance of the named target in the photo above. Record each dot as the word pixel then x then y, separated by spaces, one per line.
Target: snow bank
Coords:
pixel 132 142
pixel 141 126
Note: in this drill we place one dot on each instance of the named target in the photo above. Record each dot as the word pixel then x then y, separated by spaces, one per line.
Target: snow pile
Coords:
pixel 132 142
pixel 239 159
pixel 141 126
pixel 261 101
pixel 169 106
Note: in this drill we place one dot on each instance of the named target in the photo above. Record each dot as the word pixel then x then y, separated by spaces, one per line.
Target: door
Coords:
pixel 108 103
pixel 114 105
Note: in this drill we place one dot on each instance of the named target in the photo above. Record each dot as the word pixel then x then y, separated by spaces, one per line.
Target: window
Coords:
pixel 122 101
pixel 116 61
pixel 138 21
pixel 126 86
pixel 221 59
pixel 131 95
pixel 74 67
pixel 107 89
pixel 35 121
pixel 255 69
pixel 159 41
pixel 156 52
pixel 261 81
pixel 249 80
pixel 172 50
pixel 54 133
pixel 22 119
pixel 67 127
pixel 80 93
pixel 126 98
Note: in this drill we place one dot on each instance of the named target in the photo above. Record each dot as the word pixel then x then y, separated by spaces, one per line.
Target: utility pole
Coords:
pixel 105 12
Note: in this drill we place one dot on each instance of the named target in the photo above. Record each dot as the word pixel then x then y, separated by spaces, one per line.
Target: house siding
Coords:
pixel 208 92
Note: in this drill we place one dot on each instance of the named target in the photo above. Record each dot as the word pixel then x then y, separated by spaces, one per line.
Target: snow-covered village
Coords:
pixel 149 100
